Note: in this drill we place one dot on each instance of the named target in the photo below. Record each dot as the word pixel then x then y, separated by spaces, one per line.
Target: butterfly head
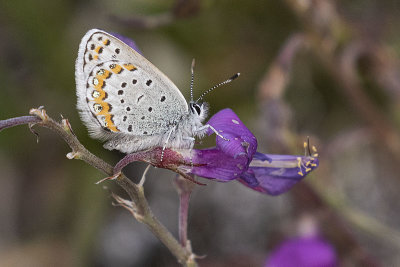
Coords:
pixel 199 110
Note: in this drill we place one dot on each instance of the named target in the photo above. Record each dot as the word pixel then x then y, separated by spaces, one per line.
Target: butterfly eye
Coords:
pixel 195 108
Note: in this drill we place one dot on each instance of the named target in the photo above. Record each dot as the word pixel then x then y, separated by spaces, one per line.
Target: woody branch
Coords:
pixel 137 204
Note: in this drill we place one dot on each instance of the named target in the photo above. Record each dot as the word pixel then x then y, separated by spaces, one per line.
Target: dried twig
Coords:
pixel 4 124
pixel 138 205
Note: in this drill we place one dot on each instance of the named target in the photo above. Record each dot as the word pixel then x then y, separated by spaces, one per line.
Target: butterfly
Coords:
pixel 125 100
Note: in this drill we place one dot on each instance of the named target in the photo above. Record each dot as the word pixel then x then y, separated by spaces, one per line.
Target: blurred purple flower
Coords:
pixel 303 251
pixel 128 41
pixel 235 159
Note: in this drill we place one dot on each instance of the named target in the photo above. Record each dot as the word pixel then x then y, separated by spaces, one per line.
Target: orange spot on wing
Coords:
pixel 105 75
pixel 129 67
pixel 99 84
pixel 101 96
pixel 107 116
pixel 105 108
pixel 98 49
pixel 110 124
pixel 117 69
pixel 105 111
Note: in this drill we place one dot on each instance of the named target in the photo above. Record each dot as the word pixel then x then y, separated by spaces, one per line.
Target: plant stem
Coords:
pixel 142 211
pixel 184 188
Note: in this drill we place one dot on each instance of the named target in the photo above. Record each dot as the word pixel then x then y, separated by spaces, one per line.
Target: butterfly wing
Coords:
pixel 122 96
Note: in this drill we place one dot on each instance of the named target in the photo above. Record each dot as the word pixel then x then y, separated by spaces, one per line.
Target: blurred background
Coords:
pixel 318 68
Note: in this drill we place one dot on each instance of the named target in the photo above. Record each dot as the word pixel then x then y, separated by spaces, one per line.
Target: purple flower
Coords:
pixel 303 251
pixel 128 41
pixel 276 174
pixel 233 158
pixel 238 159
pixel 229 159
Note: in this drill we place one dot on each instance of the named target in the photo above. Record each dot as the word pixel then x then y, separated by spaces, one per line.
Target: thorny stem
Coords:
pixel 142 210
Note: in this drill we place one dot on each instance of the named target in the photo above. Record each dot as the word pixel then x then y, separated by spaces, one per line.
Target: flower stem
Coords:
pixel 184 188
pixel 183 217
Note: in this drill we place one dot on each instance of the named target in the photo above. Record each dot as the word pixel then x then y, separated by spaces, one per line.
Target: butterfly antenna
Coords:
pixel 191 81
pixel 218 85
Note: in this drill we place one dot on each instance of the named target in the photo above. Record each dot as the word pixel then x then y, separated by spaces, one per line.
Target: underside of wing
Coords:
pixel 120 92
pixel 132 143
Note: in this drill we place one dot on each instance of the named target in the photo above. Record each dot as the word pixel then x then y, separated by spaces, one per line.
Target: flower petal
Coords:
pixel 230 158
pixel 276 174
pixel 212 163
pixel 241 140
pixel 303 251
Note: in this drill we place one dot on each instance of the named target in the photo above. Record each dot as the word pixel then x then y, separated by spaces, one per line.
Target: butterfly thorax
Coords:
pixel 190 127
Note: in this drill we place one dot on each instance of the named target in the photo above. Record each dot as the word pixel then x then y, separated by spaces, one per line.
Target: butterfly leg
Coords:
pixel 192 139
pixel 213 129
pixel 166 142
